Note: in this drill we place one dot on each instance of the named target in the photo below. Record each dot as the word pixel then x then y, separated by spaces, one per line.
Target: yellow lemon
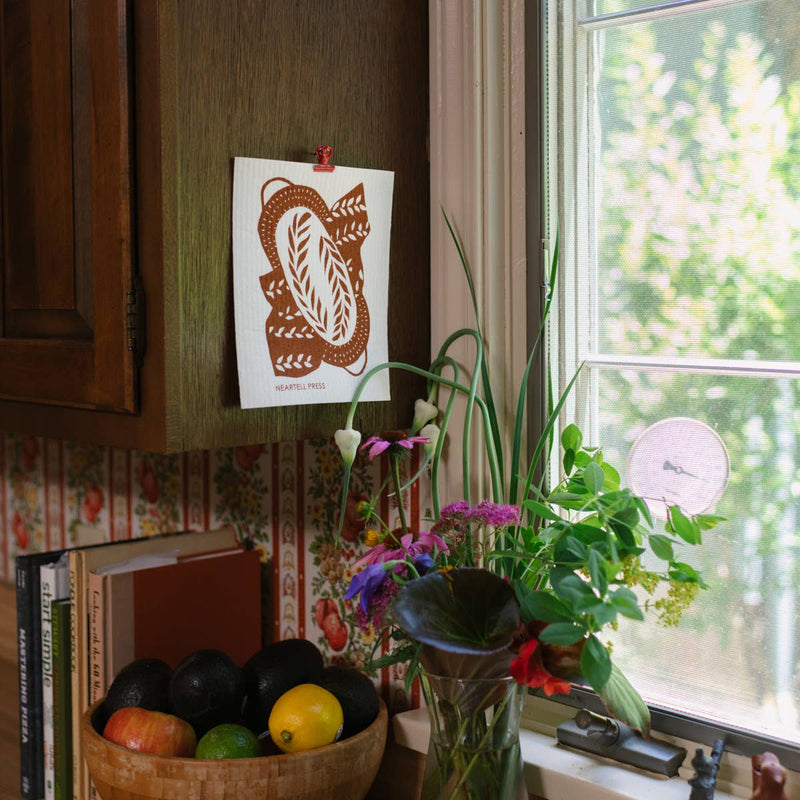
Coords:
pixel 305 717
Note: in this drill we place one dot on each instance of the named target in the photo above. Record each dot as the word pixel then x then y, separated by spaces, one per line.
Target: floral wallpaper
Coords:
pixel 283 497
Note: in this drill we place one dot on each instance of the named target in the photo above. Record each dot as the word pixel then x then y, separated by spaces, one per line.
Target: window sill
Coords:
pixel 556 772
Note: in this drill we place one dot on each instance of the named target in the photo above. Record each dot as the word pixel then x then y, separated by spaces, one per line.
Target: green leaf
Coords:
pixel 662 546
pixel 708 521
pixel 582 458
pixel 643 510
pixel 612 476
pixel 626 602
pixel 568 500
pixel 568 586
pixel 540 510
pixel 594 477
pixel 597 571
pixel 683 526
pixel 624 702
pixel 685 573
pixel 571 437
pixel 562 633
pixel 569 550
pixel 603 613
pixel 595 663
pixel 544 607
pixel 623 532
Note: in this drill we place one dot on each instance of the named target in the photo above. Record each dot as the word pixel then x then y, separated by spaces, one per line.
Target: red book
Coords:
pixel 207 601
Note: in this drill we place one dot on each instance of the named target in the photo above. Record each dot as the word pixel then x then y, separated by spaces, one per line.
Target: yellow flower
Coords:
pixel 372 537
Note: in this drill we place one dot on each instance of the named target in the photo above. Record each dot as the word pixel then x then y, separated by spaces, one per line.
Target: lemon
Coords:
pixel 228 741
pixel 304 718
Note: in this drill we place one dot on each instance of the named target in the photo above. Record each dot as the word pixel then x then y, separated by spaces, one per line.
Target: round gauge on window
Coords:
pixel 679 462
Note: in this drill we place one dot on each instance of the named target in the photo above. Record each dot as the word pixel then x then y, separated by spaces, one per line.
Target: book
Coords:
pixel 29 656
pixel 62 702
pixel 54 585
pixel 167 612
pixel 81 562
pixel 99 677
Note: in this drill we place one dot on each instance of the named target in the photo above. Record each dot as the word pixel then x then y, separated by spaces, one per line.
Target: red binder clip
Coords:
pixel 324 153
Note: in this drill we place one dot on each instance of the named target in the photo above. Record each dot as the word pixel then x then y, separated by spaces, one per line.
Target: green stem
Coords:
pixel 343 504
pixel 398 488
pixel 480 746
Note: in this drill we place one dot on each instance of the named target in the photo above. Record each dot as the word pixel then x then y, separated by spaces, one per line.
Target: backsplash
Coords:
pixel 283 497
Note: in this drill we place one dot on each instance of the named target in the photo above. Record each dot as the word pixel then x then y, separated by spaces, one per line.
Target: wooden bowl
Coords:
pixel 345 769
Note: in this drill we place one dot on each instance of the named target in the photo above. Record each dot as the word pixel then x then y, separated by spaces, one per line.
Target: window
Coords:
pixel 673 167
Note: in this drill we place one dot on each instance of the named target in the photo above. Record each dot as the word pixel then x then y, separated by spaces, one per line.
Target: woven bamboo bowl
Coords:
pixel 345 769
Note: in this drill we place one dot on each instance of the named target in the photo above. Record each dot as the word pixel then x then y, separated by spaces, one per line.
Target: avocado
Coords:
pixel 274 670
pixel 206 689
pixel 143 683
pixel 357 695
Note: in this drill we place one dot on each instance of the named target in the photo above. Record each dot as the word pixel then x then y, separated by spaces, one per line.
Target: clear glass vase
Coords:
pixel 474 751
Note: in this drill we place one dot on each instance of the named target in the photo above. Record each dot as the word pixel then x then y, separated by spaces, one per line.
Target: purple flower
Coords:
pixel 367 582
pixel 494 514
pixel 410 545
pixel 456 517
pixel 423 563
pixel 375 617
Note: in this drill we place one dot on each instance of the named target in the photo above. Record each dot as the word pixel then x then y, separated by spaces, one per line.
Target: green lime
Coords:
pixel 228 740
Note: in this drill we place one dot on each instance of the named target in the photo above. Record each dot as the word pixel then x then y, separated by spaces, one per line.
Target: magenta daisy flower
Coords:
pixel 379 444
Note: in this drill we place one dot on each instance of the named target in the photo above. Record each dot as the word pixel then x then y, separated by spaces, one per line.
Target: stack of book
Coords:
pixel 86 612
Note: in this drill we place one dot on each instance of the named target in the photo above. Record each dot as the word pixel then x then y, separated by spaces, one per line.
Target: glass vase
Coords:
pixel 474 751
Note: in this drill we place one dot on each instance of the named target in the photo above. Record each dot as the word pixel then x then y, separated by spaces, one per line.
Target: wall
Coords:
pixel 283 497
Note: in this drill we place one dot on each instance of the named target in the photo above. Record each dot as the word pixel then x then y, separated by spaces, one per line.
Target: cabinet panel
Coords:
pixel 66 203
pixel 211 81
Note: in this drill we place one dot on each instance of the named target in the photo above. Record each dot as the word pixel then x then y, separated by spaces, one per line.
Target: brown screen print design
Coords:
pixel 316 278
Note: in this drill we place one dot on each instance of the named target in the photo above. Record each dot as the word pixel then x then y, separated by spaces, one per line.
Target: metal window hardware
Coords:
pixel 603 736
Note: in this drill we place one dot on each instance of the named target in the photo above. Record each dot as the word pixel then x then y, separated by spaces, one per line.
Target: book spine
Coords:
pixel 47 580
pixel 97 665
pixel 75 701
pixel 27 687
pixel 62 735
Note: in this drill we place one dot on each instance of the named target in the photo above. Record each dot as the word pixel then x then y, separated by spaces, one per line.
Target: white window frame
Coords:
pixel 478 143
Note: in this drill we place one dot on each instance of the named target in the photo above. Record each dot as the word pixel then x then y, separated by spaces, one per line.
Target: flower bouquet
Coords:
pixel 510 592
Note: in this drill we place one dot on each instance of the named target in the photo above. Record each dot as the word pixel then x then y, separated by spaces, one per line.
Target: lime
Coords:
pixel 304 718
pixel 228 740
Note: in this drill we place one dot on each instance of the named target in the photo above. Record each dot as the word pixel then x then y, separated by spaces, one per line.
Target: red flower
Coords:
pixel 147 481
pixel 92 503
pixel 527 669
pixel 246 456
pixel 20 531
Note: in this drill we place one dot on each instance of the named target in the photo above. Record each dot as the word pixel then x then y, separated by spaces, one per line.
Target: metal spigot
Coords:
pixel 607 737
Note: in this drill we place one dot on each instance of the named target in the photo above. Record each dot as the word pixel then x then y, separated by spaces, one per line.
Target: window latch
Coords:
pixel 607 737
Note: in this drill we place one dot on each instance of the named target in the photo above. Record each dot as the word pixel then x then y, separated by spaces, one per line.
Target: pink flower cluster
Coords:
pixel 455 520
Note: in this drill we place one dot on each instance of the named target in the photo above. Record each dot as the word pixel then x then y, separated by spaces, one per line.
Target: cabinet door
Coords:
pixel 66 203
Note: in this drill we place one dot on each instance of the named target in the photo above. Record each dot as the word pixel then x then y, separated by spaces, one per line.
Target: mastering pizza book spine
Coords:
pixel 29 655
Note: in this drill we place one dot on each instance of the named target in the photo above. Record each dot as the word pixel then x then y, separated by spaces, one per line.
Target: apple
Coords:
pixel 151 732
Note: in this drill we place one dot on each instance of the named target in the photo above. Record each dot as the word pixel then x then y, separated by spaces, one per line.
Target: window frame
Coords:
pixel 575 219
pixel 483 80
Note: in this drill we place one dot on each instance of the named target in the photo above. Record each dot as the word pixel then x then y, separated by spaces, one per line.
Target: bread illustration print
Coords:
pixel 315 281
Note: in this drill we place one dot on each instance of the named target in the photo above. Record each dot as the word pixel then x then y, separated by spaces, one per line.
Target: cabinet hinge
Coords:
pixel 135 320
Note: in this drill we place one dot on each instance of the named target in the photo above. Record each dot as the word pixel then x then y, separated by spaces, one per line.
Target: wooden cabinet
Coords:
pixel 120 122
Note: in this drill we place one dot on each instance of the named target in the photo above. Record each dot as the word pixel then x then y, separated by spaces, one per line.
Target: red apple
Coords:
pixel 151 732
